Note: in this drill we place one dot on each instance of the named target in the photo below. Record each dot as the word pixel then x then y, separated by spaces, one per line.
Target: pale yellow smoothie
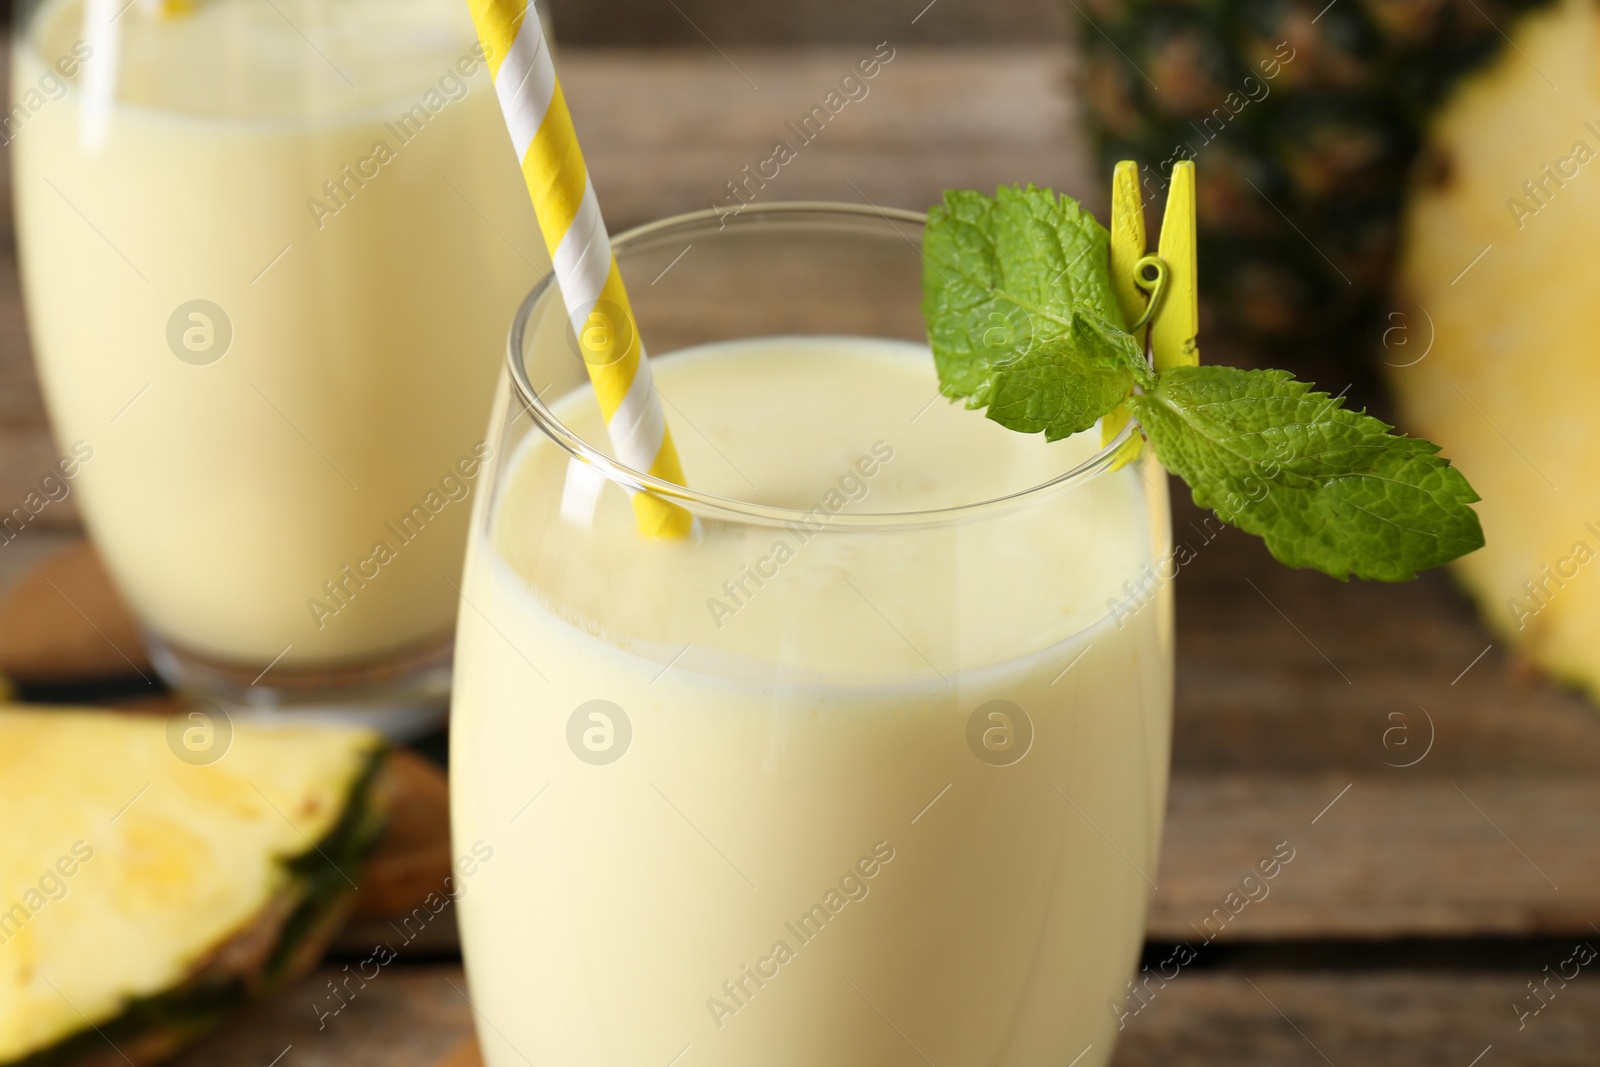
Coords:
pixel 826 791
pixel 283 469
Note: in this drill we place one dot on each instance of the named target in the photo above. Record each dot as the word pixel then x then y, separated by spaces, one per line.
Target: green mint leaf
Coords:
pixel 1326 487
pixel 1020 313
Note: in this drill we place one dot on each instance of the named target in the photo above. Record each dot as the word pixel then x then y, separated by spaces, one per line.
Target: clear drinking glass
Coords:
pixel 264 244
pixel 872 769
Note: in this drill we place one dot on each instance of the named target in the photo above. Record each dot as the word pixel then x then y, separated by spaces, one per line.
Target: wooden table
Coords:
pixel 1443 804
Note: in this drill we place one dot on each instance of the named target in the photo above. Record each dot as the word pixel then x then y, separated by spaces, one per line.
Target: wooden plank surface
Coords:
pixel 416 1015
pixel 1481 855
pixel 1472 793
pixel 740 23
pixel 933 119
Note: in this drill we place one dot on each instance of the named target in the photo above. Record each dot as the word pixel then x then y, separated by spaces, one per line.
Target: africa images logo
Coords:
pixel 599 732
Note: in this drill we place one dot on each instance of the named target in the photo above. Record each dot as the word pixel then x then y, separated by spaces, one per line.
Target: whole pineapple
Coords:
pixel 1405 183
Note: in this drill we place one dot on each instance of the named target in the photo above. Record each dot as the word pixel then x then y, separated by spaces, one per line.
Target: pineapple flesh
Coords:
pixel 1498 279
pixel 143 895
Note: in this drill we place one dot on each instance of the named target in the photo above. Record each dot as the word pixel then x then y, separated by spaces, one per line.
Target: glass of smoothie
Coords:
pixel 871 769
pixel 265 245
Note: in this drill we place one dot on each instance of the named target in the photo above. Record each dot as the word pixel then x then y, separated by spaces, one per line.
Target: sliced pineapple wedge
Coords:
pixel 144 892
pixel 1500 340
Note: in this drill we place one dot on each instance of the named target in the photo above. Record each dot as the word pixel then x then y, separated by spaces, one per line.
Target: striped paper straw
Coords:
pixel 569 216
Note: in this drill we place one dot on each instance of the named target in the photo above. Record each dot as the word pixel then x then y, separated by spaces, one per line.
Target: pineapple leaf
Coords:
pixel 1326 487
pixel 1020 312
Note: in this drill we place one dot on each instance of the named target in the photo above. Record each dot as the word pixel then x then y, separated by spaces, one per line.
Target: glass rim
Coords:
pixel 731 508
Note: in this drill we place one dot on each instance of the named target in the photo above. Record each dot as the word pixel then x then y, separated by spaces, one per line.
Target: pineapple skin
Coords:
pixel 1306 120
pixel 1498 277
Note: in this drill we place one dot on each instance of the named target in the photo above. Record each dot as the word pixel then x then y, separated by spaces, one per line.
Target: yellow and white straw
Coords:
pixel 569 216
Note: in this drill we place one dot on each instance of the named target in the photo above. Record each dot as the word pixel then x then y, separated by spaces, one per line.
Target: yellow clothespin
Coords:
pixel 1157 294
pixel 1174 331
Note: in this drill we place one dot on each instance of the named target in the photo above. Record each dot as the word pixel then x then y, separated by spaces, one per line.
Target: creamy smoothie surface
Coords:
pixel 752 793
pixel 837 429
pixel 269 250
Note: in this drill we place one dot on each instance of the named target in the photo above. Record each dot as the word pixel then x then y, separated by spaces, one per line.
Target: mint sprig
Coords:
pixel 1022 321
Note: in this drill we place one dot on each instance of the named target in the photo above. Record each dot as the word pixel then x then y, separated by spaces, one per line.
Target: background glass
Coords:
pixel 264 244
pixel 937 779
